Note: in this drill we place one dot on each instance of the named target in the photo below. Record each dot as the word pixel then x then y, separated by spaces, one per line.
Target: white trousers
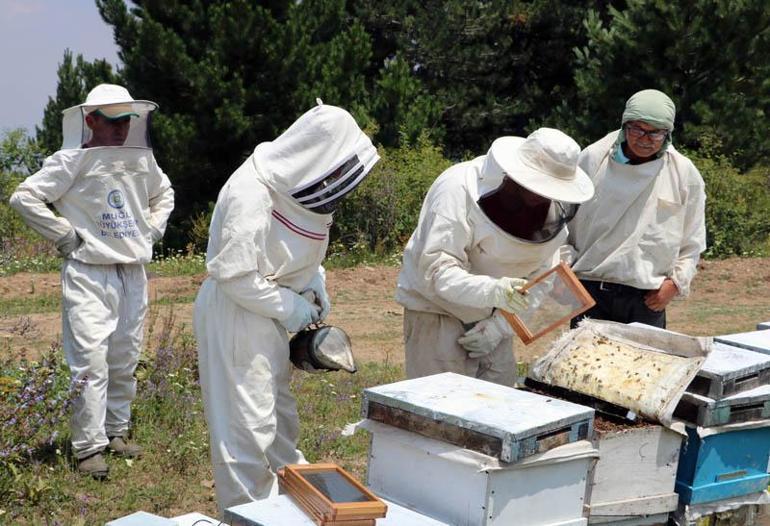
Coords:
pixel 103 310
pixel 430 344
pixel 243 360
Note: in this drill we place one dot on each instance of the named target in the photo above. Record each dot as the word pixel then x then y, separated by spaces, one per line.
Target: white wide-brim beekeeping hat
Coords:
pixel 546 163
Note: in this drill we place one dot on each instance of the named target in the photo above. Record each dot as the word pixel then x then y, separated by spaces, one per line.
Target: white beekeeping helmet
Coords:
pixel 108 109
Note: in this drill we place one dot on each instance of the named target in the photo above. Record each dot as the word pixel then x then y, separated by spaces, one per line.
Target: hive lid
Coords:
pixel 480 414
pixel 728 361
pixel 640 368
pixel 758 341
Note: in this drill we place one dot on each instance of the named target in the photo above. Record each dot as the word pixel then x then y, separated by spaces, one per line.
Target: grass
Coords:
pixel 40 486
pixel 178 264
pixel 45 263
pixel 52 303
pixel 30 305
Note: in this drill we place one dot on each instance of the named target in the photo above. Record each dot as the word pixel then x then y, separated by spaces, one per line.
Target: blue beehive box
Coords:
pixel 723 465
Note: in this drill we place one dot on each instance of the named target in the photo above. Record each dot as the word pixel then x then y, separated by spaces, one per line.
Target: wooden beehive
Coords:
pixel 724 465
pixel 729 370
pixel 650 454
pixel 282 510
pixel 492 419
pixel 466 488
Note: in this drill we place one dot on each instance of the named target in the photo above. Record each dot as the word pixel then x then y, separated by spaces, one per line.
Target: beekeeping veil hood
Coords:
pixel 318 160
pixel 113 103
pixel 546 164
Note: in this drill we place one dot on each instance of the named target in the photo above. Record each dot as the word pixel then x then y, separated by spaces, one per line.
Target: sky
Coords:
pixel 33 37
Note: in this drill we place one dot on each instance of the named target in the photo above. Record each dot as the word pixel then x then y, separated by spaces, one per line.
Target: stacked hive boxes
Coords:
pixel 723 464
pixel 626 372
pixel 472 453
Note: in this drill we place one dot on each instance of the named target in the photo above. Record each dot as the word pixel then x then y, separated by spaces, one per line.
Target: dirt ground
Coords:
pixel 727 296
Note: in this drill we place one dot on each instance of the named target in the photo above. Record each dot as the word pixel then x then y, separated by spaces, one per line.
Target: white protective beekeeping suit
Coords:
pixel 113 202
pixel 268 236
pixel 646 222
pixel 456 255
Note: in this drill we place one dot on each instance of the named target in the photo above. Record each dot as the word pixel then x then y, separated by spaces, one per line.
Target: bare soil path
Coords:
pixel 728 296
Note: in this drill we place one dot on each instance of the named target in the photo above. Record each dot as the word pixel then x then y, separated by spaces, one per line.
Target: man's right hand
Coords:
pixel 67 244
pixel 303 314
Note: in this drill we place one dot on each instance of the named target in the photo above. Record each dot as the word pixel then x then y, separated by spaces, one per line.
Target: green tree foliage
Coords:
pixel 19 157
pixel 382 213
pixel 737 204
pixel 493 67
pixel 710 56
pixel 76 78
pixel 402 107
pixel 228 75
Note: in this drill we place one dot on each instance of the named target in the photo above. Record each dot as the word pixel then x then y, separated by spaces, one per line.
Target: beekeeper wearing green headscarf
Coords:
pixel 636 244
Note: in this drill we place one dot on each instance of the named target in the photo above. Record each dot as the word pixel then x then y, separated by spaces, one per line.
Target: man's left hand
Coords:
pixel 658 299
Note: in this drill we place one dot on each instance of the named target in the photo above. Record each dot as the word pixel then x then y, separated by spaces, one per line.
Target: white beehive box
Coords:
pixel 280 510
pixel 467 488
pixel 633 481
pixel 496 420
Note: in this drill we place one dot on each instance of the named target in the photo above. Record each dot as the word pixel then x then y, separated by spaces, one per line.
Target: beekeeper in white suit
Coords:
pixel 268 236
pixel 113 202
pixel 637 244
pixel 486 226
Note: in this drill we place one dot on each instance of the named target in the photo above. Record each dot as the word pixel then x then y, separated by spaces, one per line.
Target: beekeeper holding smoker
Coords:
pixel 268 235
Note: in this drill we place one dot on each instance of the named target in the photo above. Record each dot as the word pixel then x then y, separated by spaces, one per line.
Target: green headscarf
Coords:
pixel 652 107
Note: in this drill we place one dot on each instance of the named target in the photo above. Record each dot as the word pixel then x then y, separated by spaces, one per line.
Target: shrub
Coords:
pixel 383 212
pixel 19 157
pixel 35 397
pixel 737 220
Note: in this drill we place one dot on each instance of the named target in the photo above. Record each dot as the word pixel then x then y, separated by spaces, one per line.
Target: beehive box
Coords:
pixel 740 407
pixel 728 370
pixel 498 421
pixel 280 510
pixel 758 341
pixel 633 481
pixel 467 488
pixel 720 466
pixel 742 511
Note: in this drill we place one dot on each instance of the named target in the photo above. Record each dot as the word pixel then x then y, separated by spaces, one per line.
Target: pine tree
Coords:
pixel 228 75
pixel 710 56
pixel 76 78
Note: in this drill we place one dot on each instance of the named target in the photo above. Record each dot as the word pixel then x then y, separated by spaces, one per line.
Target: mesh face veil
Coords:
pixel 108 117
pixel 525 215
pixel 323 194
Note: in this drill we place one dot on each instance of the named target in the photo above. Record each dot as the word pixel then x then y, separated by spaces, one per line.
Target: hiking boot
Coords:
pixel 94 465
pixel 119 446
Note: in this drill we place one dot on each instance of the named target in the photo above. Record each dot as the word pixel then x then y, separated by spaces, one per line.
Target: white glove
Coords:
pixel 507 295
pixel 303 314
pixel 155 235
pixel 567 254
pixel 318 286
pixel 486 335
pixel 67 244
